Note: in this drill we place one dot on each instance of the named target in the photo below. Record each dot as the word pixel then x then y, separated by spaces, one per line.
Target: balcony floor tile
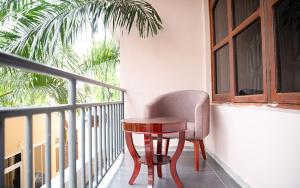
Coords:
pixel 206 177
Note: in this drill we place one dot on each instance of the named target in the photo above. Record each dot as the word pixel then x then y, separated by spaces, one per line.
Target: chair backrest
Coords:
pixel 179 104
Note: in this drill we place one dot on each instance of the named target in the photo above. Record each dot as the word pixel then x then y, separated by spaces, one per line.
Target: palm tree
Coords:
pixel 37 26
pixel 101 64
pixel 21 88
pixel 39 29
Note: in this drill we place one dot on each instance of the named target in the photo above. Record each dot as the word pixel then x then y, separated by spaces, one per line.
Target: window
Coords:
pixel 13 171
pixel 39 165
pixel 255 50
pixel 285 51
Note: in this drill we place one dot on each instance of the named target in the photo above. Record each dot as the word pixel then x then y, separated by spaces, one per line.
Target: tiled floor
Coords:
pixel 211 175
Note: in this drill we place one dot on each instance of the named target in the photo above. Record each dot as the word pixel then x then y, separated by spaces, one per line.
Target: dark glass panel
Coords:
pixel 220 20
pixel 13 160
pixel 248 59
pixel 243 9
pixel 13 179
pixel 222 70
pixel 287 24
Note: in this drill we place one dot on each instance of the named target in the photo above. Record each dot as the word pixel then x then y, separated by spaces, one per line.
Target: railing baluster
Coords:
pixel 95 147
pixel 82 147
pixel 62 149
pixel 48 150
pixel 72 134
pixel 119 137
pixel 120 129
pixel 122 116
pixel 105 137
pixel 100 139
pixel 116 131
pixel 90 146
pixel 117 128
pixel 28 149
pixel 108 134
pixel 2 151
pixel 113 133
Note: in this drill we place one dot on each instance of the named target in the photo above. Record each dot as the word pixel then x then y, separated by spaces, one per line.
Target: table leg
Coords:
pixel 149 158
pixel 135 157
pixel 159 151
pixel 174 159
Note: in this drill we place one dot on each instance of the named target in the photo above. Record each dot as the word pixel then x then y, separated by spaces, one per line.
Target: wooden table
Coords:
pixel 150 127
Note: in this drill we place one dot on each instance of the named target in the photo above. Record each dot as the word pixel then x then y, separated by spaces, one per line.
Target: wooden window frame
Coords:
pixel 265 14
pixel 282 98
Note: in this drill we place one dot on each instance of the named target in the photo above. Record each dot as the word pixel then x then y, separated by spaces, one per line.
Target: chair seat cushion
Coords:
pixel 189 133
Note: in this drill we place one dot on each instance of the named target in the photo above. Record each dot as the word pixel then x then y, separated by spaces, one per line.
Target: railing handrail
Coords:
pixel 22 63
pixel 23 111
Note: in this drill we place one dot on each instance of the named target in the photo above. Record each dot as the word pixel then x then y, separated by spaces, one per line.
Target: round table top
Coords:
pixel 159 125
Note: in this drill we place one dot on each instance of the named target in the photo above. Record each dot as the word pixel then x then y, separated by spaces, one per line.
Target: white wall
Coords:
pixel 259 144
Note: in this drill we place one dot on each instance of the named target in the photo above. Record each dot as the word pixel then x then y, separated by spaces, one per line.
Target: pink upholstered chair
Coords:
pixel 191 105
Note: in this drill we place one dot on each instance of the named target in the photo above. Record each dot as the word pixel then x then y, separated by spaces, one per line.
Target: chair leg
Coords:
pixel 202 149
pixel 167 146
pixel 196 155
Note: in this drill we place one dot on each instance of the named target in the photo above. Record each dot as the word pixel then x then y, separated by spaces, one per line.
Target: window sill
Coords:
pixel 261 106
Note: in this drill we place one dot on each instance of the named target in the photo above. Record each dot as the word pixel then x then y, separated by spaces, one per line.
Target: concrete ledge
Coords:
pixel 105 182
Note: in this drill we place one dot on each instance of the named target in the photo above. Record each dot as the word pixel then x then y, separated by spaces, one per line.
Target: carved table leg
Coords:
pixel 135 157
pixel 174 159
pixel 159 150
pixel 149 158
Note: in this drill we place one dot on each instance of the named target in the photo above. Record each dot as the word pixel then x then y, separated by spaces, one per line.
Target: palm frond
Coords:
pixel 37 28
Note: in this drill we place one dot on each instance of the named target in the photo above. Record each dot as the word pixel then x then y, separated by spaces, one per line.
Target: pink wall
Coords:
pixel 172 60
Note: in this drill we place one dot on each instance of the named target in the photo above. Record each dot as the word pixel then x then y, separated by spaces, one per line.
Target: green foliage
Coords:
pixel 44 31
pixel 22 88
pixel 101 64
pixel 36 28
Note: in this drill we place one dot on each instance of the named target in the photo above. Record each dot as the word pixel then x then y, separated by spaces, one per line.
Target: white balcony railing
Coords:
pixel 101 138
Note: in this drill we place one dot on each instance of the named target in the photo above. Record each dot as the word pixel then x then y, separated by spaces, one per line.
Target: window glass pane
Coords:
pixel 13 160
pixel 39 165
pixel 13 179
pixel 243 9
pixel 222 70
pixel 13 176
pixel 287 24
pixel 248 59
pixel 220 20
